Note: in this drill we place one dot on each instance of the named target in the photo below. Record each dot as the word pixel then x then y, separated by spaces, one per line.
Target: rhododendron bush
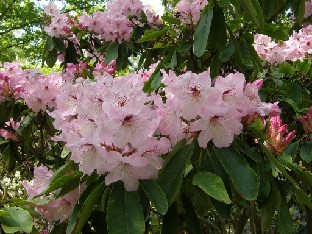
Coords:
pixel 198 121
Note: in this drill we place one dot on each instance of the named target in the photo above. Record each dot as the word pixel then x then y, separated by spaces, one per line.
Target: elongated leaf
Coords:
pixel 63 181
pixel 156 195
pixel 269 208
pixel 112 53
pixel 244 178
pixel 202 33
pixel 212 185
pixel 84 208
pixel 124 212
pixel 243 147
pixel 218 38
pixel 285 219
pixel 170 178
pixel 171 20
pixel 171 221
pixel 153 36
pixel 51 57
pixel 192 222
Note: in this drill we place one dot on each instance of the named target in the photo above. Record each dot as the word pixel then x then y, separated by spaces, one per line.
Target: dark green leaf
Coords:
pixel 51 57
pixel 218 37
pixel 306 151
pixel 228 52
pixel 192 222
pixel 153 35
pixel 202 33
pixel 244 178
pixel 124 212
pixel 269 208
pixel 156 195
pixel 83 209
pixel 212 185
pixel 59 44
pixel 171 20
pixel 170 178
pixel 171 221
pixel 112 52
pixel 285 219
pixel 286 68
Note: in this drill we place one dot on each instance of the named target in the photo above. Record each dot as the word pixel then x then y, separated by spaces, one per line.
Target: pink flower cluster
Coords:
pixel 58 209
pixel 306 121
pixel 308 9
pixel 59 25
pixel 297 47
pixel 193 105
pixel 278 140
pixel 40 91
pixel 189 11
pixel 11 81
pixel 110 126
pixel 114 24
pixel 6 132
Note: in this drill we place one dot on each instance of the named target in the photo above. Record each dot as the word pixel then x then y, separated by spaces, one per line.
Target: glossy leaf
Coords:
pixel 156 195
pixel 245 180
pixel 83 209
pixel 306 151
pixel 112 52
pixel 202 32
pixel 170 178
pixel 15 219
pixel 212 185
pixel 124 212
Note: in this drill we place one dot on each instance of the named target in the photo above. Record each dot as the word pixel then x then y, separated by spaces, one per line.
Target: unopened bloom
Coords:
pixel 307 121
pixel 278 140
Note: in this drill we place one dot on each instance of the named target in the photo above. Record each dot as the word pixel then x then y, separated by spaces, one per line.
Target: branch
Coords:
pixel 21 26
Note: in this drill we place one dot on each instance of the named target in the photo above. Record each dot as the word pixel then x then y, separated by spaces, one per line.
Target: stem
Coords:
pixel 242 220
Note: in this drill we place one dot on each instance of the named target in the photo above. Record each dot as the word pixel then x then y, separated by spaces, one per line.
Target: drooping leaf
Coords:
pixel 285 219
pixel 245 180
pixel 153 35
pixel 84 208
pixel 212 185
pixel 170 178
pixel 202 32
pixel 124 212
pixel 112 52
pixel 156 195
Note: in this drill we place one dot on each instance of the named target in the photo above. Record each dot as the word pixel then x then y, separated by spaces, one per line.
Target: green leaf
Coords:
pixel 170 178
pixel 218 38
pixel 192 222
pixel 306 151
pixel 171 221
pixel 112 52
pixel 253 12
pixel 59 44
pixel 303 66
pixel 292 149
pixel 156 81
pixel 212 185
pixel 269 208
pixel 49 46
pixel 243 147
pixel 25 123
pixel 15 219
pixel 124 212
pixel 202 32
pixel 215 66
pixel 171 20
pixel 63 182
pixel 285 219
pixel 84 208
pixel 51 57
pixel 156 195
pixel 153 35
pixel 228 52
pixel 286 68
pixel 244 178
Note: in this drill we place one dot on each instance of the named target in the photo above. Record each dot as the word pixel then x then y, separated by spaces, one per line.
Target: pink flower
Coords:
pixel 58 209
pixel 278 140
pixel 7 134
